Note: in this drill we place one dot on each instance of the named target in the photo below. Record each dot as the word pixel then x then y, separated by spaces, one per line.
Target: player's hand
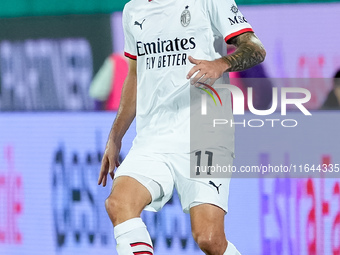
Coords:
pixel 110 160
pixel 206 71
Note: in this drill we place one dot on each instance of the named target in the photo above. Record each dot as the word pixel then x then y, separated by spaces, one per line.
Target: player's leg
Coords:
pixel 142 181
pixel 206 199
pixel 124 206
pixel 207 224
pixel 127 199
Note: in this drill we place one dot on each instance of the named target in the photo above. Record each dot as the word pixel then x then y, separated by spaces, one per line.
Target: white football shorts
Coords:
pixel 161 172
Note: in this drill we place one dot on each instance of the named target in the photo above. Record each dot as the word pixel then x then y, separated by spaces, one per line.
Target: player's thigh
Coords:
pixel 142 181
pixel 127 199
pixel 207 223
pixel 131 192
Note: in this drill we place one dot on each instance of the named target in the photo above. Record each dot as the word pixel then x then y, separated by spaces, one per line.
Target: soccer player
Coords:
pixel 170 44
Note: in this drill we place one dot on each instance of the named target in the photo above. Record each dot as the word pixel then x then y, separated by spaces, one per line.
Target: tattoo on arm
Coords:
pixel 249 52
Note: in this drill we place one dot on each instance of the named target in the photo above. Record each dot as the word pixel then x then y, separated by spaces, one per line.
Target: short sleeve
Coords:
pixel 227 19
pixel 129 40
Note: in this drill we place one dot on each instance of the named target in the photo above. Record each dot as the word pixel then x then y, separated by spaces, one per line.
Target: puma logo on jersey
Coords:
pixel 217 187
pixel 139 24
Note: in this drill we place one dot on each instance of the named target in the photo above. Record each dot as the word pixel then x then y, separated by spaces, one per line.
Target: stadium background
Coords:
pixel 51 139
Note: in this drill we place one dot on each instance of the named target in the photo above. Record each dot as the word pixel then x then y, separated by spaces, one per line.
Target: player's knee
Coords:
pixel 120 210
pixel 114 208
pixel 209 243
pixel 110 204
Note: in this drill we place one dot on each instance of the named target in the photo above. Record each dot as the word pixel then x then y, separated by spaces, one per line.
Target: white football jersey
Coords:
pixel 160 35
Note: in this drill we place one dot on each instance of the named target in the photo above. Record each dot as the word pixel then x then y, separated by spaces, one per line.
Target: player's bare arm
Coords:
pixel 249 52
pixel 125 115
